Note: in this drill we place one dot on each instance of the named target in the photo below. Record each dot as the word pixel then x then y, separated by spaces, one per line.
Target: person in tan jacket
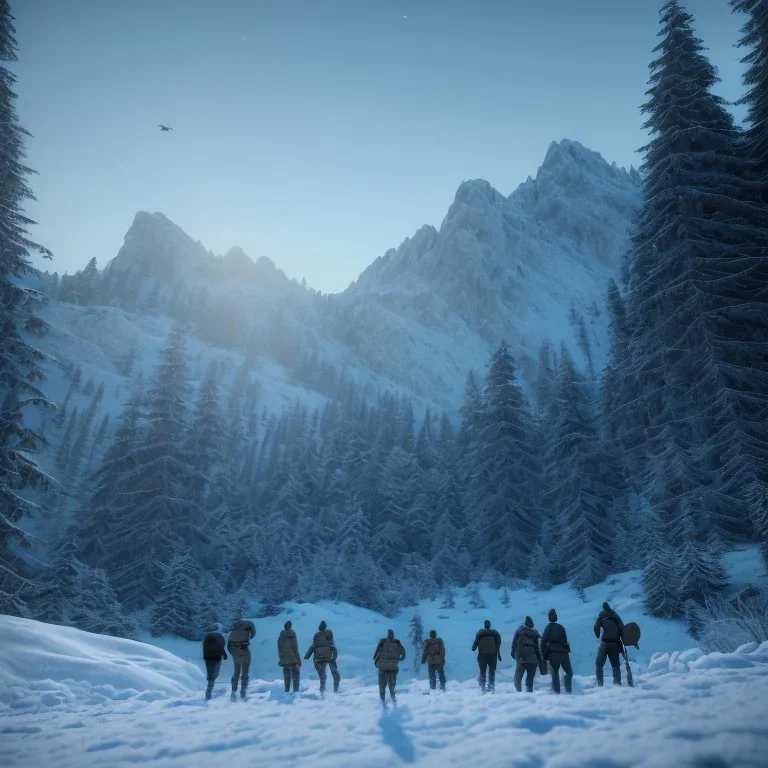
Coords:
pixel 238 645
pixel 289 657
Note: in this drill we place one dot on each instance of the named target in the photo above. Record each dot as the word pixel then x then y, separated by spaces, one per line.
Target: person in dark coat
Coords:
pixel 609 629
pixel 488 646
pixel 387 657
pixel 434 657
pixel 214 651
pixel 289 657
pixel 325 653
pixel 238 645
pixel 526 652
pixel 556 650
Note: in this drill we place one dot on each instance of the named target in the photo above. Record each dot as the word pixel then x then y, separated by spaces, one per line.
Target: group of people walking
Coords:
pixel 530 650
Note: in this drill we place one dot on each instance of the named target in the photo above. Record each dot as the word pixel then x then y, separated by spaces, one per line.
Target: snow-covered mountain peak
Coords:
pixel 478 193
pixel 157 247
pixel 565 158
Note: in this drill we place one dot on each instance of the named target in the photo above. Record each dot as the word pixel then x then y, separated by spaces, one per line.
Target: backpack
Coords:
pixel 212 646
pixel 240 634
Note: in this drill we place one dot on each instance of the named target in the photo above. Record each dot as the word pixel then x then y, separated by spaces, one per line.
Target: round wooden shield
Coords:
pixel 631 633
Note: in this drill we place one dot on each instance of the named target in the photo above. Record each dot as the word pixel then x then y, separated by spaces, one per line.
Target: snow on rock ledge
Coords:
pixel 43 665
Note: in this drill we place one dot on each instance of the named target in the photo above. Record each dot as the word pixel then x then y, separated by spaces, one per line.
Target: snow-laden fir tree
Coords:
pixel 20 371
pixel 59 583
pixel 175 610
pixel 416 635
pixel 586 482
pixel 755 140
pixel 97 608
pixel 695 370
pixel 660 572
pixel 160 509
pixel 505 483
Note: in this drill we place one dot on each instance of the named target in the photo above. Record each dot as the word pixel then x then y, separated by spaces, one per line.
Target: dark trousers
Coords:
pixel 387 677
pixel 612 652
pixel 292 673
pixel 530 672
pixel 487 662
pixel 435 671
pixel 242 660
pixel 564 661
pixel 212 669
pixel 320 666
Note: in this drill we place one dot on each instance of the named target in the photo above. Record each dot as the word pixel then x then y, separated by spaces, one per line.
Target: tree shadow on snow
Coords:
pixel 395 737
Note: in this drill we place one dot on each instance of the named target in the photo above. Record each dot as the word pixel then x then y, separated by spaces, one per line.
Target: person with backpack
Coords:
pixel 387 657
pixel 238 645
pixel 289 657
pixel 488 646
pixel 325 654
pixel 526 652
pixel 611 643
pixel 556 650
pixel 213 653
pixel 434 657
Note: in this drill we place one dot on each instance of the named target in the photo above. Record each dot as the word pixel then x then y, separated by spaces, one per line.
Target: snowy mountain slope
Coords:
pixel 514 267
pixel 70 698
pixel 424 314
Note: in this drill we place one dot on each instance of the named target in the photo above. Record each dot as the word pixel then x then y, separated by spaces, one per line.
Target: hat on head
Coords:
pixel 606 607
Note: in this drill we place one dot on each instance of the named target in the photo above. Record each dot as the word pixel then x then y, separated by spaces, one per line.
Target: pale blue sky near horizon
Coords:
pixel 321 133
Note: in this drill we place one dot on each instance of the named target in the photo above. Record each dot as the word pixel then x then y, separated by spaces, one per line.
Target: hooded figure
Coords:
pixel 387 657
pixel 525 651
pixel 213 653
pixel 434 657
pixel 556 650
pixel 325 654
pixel 488 646
pixel 289 657
pixel 611 643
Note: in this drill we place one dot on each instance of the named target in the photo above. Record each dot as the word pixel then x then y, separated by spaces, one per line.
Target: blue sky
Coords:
pixel 319 133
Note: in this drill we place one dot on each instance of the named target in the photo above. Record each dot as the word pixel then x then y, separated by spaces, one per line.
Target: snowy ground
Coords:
pixel 711 711
pixel 71 699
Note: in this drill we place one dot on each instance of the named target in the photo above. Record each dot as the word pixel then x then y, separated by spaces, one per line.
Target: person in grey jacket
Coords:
pixel 387 657
pixel 289 657
pixel 324 650
pixel 556 650
pixel 525 651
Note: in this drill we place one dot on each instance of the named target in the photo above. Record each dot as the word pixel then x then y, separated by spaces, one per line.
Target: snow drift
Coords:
pixel 43 665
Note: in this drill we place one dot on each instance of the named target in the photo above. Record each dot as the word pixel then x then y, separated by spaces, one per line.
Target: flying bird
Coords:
pixel 164 127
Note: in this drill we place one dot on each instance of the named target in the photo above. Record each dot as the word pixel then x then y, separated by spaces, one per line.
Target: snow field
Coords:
pixel 695 717
pixel 75 700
